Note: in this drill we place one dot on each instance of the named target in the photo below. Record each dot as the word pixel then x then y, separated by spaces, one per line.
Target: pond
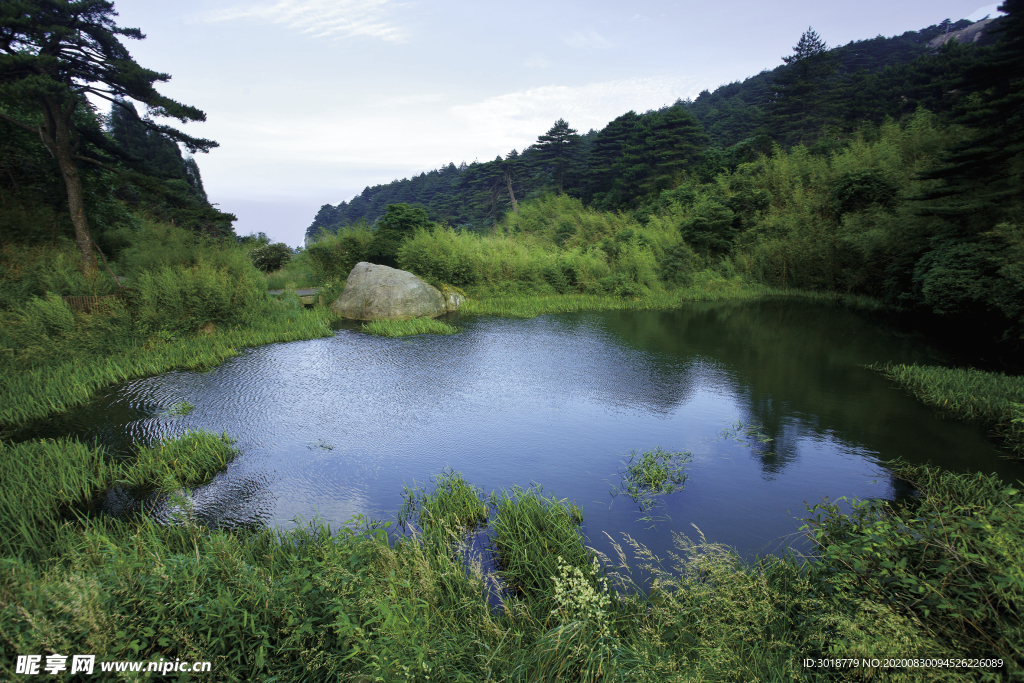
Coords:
pixel 769 397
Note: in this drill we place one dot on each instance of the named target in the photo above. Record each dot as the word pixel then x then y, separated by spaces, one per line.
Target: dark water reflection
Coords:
pixel 334 427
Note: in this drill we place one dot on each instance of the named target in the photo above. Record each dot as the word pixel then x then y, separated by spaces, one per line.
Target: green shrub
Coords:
pixel 333 256
pixel 270 257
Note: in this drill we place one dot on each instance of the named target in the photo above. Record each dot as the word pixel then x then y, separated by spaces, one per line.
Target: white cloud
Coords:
pixel 539 61
pixel 509 120
pixel 321 18
pixel 982 12
pixel 587 39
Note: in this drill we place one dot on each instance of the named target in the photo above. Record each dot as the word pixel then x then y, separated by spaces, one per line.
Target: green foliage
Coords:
pixel 297 273
pixel 44 481
pixel 939 577
pixel 652 473
pixel 406 328
pixel 533 535
pixel 271 257
pixel 332 257
pixel 41 380
pixel 859 190
pixel 179 462
pixel 398 224
pixel 951 560
pixel 452 509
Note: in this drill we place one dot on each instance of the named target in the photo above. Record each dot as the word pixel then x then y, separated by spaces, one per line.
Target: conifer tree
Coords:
pixel 555 147
pixel 55 52
pixel 797 106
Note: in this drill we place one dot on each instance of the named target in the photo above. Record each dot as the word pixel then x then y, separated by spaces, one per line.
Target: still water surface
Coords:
pixel 336 426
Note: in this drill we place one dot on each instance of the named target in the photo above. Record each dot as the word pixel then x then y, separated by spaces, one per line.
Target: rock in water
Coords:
pixel 375 292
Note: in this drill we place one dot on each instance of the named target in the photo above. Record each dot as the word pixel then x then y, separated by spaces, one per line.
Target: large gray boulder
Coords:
pixel 375 292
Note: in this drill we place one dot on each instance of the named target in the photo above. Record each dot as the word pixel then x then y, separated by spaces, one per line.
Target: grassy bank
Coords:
pixel 940 578
pixel 992 399
pixel 52 388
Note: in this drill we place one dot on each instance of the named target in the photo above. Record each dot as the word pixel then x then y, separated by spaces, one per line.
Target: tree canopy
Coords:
pixel 53 53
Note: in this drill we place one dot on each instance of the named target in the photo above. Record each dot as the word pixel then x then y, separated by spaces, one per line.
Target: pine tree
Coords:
pixel 55 52
pixel 555 148
pixel 798 109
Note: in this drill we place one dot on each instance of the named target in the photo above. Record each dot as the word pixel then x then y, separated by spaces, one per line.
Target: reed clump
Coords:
pixel 407 328
pixel 180 462
pixel 454 507
pixel 993 399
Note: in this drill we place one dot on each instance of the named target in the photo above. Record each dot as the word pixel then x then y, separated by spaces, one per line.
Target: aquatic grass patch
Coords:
pixel 531 532
pixel 652 473
pixel 179 462
pixel 407 328
pixel 454 506
pixel 178 409
pixel 33 393
pixel 993 399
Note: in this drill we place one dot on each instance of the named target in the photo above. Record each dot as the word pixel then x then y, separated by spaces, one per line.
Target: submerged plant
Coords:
pixel 179 409
pixel 650 474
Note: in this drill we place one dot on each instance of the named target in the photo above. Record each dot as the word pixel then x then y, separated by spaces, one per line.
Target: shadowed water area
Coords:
pixel 769 397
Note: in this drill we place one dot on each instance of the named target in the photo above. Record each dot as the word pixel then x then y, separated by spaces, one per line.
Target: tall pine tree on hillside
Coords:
pixel 555 148
pixel 605 154
pixel 798 109
pixel 55 52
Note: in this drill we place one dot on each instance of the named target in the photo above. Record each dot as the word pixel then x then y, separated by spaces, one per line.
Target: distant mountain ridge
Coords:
pixel 873 78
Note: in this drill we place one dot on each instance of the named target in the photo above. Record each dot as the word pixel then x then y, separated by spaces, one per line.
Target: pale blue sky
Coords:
pixel 312 100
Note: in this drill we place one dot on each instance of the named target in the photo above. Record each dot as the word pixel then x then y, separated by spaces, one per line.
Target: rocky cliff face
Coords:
pixel 971 34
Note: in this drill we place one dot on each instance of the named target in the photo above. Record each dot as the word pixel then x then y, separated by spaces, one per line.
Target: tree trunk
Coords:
pixel 58 138
pixel 511 194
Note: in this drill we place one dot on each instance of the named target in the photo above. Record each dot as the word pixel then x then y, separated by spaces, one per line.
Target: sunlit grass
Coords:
pixel 406 328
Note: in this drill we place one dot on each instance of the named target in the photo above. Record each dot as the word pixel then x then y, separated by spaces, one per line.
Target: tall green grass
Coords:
pixel 406 328
pixel 939 577
pixel 533 534
pixel 993 399
pixel 40 483
pixel 454 507
pixel 32 393
pixel 179 462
